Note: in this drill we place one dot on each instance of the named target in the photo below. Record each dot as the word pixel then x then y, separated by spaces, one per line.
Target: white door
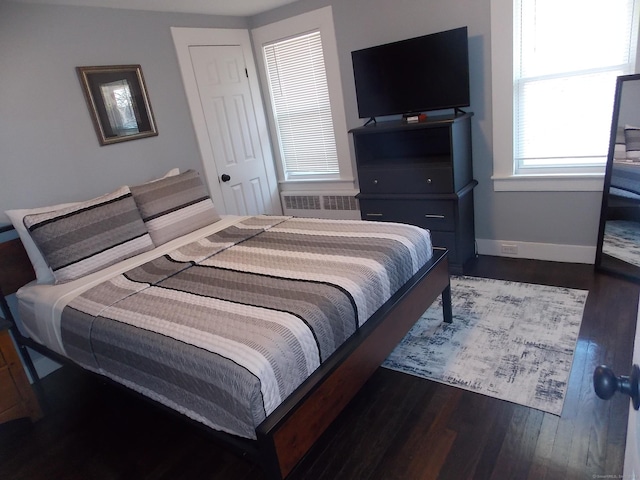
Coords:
pixel 229 121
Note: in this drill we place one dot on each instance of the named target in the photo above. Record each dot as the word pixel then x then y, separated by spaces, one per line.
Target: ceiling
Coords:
pixel 240 8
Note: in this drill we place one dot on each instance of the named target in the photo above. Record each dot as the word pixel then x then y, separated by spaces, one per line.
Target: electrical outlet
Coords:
pixel 509 249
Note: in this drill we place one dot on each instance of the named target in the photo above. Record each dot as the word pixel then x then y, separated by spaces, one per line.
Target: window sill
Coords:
pixel 548 183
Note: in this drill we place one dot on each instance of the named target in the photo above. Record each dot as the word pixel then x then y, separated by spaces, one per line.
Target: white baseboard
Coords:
pixel 537 251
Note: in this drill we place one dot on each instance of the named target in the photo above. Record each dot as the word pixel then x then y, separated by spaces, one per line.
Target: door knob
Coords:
pixel 606 384
pixel 225 178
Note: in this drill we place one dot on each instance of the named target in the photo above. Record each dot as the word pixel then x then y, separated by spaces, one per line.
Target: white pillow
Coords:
pixel 44 274
pixel 171 173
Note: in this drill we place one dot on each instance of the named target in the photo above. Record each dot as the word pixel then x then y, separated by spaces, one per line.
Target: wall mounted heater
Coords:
pixel 326 205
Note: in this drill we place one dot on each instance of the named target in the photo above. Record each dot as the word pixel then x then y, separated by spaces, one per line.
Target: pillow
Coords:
pixel 40 266
pixel 42 270
pixel 89 236
pixel 171 173
pixel 174 206
pixel 620 149
pixel 632 141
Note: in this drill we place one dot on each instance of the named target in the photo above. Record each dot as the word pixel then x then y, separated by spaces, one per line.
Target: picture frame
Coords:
pixel 118 102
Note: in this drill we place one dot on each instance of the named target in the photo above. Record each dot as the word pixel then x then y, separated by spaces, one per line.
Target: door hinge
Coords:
pixel 246 72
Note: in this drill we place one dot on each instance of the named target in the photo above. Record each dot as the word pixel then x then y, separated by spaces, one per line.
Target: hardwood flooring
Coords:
pixel 398 427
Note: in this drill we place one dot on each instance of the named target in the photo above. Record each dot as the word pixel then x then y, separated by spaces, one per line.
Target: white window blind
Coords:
pixel 300 101
pixel 568 54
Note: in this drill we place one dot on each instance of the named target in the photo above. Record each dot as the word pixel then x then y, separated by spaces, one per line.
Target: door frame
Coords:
pixel 183 38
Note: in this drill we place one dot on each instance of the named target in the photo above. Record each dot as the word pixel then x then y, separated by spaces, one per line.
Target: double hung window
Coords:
pixel 567 55
pixel 301 105
pixel 298 61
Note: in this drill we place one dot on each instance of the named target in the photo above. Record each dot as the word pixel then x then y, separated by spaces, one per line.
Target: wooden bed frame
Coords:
pixel 285 436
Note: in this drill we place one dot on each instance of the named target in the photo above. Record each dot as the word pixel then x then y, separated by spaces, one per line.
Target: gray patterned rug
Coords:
pixel 508 340
pixel 621 240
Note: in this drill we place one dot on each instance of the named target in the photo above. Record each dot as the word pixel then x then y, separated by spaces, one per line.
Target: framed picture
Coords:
pixel 118 102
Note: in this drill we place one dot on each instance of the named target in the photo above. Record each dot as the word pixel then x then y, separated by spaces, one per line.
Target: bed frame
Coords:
pixel 287 435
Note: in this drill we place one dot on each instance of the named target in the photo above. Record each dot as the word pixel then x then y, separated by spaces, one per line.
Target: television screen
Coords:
pixel 412 76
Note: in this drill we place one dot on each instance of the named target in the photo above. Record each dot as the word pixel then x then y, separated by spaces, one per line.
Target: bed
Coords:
pixel 259 329
pixel 625 172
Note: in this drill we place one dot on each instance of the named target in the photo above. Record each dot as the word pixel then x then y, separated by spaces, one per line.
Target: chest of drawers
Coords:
pixel 421 174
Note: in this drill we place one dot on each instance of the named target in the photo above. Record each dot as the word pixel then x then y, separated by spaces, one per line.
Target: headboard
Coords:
pixel 16 271
pixel 15 267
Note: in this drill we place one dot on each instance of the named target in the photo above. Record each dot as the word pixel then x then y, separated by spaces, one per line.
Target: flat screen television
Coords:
pixel 411 76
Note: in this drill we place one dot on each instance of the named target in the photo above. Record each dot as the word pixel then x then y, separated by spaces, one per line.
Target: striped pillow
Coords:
pixel 174 206
pixel 89 236
pixel 632 140
pixel 620 149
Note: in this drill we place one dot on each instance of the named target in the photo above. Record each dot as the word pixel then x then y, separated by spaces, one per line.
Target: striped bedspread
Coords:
pixel 225 328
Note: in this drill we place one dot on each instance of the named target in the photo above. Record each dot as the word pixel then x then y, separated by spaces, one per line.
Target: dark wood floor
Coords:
pixel 398 427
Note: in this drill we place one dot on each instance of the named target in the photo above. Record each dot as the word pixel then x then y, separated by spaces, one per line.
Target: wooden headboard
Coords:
pixel 15 267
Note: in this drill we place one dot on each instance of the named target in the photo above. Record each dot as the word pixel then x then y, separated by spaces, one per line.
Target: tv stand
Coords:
pixel 458 111
pixel 371 120
pixel 421 173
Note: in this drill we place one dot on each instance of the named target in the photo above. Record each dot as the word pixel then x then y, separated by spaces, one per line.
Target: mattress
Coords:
pixel 224 325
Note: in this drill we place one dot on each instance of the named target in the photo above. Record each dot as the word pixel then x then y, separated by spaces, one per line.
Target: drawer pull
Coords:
pixel 429 215
pixel 374 215
pixel 375 182
pixel 429 181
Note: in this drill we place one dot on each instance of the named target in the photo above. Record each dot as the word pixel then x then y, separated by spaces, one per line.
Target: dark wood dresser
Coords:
pixel 421 174
pixel 17 398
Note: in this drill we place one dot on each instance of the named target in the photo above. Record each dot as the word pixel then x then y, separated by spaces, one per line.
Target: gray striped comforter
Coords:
pixel 225 328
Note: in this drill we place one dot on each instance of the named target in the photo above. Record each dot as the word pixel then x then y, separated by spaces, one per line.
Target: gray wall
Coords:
pixel 49 151
pixel 569 218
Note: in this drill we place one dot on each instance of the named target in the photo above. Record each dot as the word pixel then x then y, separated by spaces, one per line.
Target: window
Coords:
pixel 298 62
pixel 567 56
pixel 119 105
pixel 553 83
pixel 301 106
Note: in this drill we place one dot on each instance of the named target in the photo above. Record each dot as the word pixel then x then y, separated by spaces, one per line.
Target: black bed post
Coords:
pixel 447 312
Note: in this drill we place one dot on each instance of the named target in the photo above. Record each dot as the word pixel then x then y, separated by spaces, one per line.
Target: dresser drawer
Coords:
pixel 431 214
pixel 17 399
pixel 406 179
pixel 9 395
pixel 446 240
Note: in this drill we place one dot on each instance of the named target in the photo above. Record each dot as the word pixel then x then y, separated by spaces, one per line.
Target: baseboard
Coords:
pixel 537 251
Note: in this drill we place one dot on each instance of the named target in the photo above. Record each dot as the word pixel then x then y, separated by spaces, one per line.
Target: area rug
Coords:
pixel 621 240
pixel 508 340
